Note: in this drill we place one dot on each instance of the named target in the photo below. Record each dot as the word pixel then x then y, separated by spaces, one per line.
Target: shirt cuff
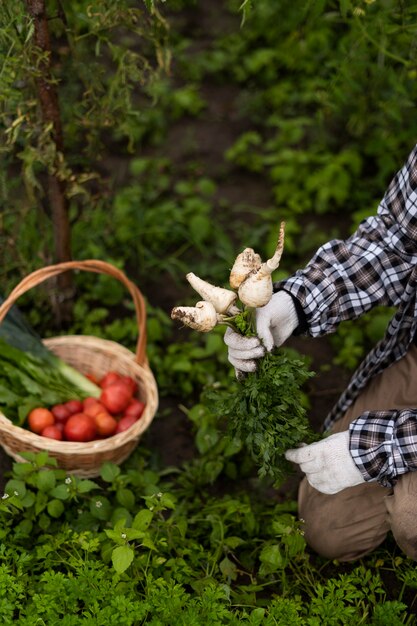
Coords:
pixel 383 444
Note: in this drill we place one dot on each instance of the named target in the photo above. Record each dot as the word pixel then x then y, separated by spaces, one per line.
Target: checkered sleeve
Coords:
pixel 345 279
pixel 383 444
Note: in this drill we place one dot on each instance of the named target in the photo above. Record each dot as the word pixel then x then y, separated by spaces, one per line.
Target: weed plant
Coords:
pixel 149 545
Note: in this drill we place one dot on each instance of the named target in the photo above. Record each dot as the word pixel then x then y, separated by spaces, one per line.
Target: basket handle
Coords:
pixel 99 267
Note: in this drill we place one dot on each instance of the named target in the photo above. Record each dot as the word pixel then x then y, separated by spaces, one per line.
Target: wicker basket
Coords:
pixel 88 355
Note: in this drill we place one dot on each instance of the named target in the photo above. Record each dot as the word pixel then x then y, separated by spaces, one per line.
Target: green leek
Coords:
pixel 30 374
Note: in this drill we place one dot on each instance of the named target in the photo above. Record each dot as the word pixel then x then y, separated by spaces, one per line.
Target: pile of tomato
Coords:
pixel 113 412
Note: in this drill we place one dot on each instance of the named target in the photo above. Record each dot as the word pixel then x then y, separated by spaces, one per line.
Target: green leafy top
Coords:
pixel 265 411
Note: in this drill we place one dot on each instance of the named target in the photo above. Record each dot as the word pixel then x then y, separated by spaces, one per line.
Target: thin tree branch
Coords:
pixel 51 114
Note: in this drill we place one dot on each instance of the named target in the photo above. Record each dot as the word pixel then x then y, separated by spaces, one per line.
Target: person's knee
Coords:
pixel 342 526
pixel 403 517
pixel 325 540
pixel 327 537
pixel 402 511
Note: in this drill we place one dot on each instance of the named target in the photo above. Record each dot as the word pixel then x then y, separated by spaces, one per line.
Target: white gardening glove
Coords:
pixel 275 322
pixel 328 464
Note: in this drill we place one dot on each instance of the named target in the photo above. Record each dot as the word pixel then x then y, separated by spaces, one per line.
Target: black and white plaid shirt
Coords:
pixel 377 265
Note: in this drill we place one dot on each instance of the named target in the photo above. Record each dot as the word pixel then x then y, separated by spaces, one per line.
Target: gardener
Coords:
pixel 360 480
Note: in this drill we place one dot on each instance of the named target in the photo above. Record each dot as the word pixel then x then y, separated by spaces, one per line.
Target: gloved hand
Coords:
pixel 328 464
pixel 275 322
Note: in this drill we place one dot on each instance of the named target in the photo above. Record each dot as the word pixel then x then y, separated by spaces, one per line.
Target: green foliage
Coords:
pixel 156 223
pixel 264 410
pixel 96 76
pixel 129 547
pixel 244 322
pixel 330 105
pixel 94 97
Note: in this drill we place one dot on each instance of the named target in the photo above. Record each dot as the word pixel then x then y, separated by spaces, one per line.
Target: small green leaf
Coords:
pixel 24 528
pixel 133 533
pixel 182 526
pixel 125 498
pixel 22 469
pixel 109 471
pixel 121 514
pixel 45 480
pixel 15 488
pixel 295 543
pixel 43 458
pixel 84 486
pixel 142 519
pixel 115 536
pixel 232 446
pixel 168 501
pixel 61 492
pixel 55 508
pixel 41 502
pixel 122 557
pixel 100 508
pixel 28 499
pixel 228 568
pixel 233 542
pixel 44 521
pixel 272 559
pixel 148 543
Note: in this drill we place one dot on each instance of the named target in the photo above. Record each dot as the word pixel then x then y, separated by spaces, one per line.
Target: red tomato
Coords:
pixel 52 432
pixel 80 427
pixel 109 379
pixel 135 408
pixel 94 409
pixel 39 419
pixel 74 406
pixel 125 423
pixel 88 402
pixel 131 383
pixel 106 424
pixel 60 412
pixel 116 397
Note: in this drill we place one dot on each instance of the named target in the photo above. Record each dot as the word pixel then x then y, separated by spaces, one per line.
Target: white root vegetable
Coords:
pixel 203 316
pixel 245 263
pixel 221 299
pixel 249 276
pixel 256 290
pixel 273 263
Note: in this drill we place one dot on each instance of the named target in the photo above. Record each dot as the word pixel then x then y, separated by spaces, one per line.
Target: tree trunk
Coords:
pixel 48 98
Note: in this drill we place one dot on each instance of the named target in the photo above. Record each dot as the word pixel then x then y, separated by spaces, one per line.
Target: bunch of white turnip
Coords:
pixel 250 278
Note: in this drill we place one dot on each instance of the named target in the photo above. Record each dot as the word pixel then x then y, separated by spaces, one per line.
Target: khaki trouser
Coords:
pixel 353 522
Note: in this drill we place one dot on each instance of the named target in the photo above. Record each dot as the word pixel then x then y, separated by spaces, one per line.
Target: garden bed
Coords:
pixel 249 127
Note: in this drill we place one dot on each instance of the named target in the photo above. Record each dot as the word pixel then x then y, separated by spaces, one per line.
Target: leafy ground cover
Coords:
pixel 140 546
pixel 302 113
